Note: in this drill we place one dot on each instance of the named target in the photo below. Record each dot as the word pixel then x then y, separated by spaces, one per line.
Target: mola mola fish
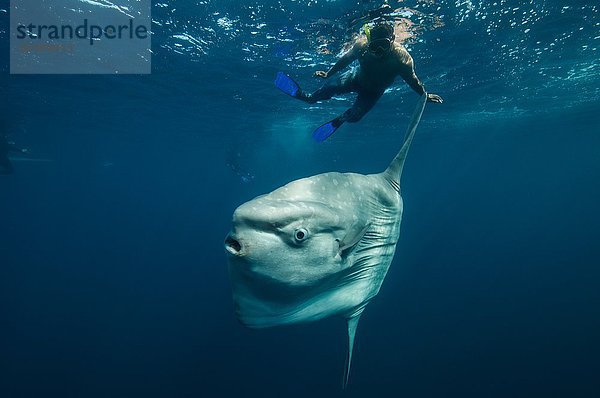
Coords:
pixel 318 246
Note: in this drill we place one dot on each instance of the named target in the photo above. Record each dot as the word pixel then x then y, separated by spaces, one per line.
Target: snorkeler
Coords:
pixel 380 60
pixel 6 147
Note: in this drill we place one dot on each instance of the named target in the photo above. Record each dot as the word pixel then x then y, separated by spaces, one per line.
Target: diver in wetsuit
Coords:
pixel 380 61
pixel 6 147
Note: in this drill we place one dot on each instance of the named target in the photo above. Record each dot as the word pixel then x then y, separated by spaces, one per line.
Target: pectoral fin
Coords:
pixel 356 232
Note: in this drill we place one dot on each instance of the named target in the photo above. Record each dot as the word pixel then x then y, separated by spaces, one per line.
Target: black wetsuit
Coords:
pixel 345 83
pixel 369 79
pixel 380 61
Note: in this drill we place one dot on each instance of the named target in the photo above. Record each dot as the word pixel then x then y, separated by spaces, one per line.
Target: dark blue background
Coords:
pixel 113 278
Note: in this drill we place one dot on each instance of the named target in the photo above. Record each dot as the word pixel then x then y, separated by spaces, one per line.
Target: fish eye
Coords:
pixel 300 234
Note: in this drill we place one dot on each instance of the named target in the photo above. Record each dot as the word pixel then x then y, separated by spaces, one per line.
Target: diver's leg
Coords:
pixel 342 85
pixel 363 104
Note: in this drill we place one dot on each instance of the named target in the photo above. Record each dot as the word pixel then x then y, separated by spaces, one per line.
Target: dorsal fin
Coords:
pixel 352 325
pixel 394 170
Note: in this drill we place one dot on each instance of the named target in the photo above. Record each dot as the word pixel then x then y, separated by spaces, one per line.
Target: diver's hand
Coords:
pixel 322 74
pixel 434 98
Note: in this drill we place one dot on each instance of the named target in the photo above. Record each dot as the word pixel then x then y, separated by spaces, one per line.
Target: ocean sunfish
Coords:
pixel 318 246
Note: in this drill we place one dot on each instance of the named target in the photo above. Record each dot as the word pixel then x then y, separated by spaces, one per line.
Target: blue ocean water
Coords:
pixel 113 279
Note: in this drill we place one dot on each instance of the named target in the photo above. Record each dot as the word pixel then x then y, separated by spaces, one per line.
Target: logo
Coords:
pixel 99 37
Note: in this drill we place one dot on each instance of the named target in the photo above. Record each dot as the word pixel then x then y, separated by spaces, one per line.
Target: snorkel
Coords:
pixel 367 30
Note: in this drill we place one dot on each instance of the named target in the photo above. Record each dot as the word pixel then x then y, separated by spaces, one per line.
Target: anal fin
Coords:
pixel 352 325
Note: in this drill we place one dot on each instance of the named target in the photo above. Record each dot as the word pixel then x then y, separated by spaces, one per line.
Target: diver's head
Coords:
pixel 380 38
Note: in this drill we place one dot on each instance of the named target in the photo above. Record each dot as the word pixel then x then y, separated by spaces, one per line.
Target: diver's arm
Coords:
pixel 407 72
pixel 343 61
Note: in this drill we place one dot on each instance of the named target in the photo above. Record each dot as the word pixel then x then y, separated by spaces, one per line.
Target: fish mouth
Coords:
pixel 232 245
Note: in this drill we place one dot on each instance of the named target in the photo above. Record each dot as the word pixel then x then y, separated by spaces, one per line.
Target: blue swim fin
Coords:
pixel 326 130
pixel 287 84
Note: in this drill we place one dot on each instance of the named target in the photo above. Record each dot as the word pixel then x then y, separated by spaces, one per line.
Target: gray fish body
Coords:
pixel 317 247
pixel 277 279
